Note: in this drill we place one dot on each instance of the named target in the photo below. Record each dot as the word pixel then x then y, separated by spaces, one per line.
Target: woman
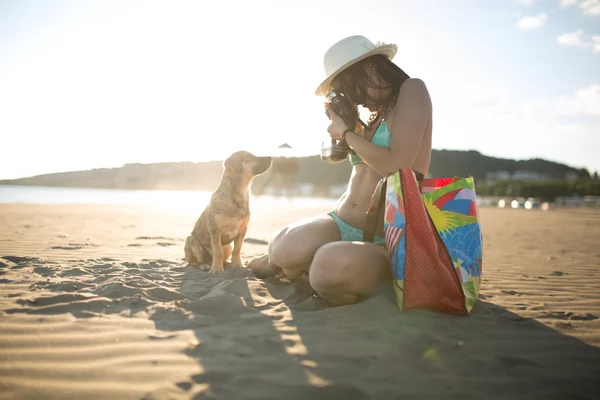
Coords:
pixel 328 248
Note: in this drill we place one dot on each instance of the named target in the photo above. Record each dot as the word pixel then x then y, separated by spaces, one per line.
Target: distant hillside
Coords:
pixel 206 175
pixel 464 163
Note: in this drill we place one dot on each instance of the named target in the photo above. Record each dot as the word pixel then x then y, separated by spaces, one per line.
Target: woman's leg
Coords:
pixel 292 249
pixel 345 272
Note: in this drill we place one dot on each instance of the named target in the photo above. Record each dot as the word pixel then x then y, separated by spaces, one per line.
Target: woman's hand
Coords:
pixel 338 126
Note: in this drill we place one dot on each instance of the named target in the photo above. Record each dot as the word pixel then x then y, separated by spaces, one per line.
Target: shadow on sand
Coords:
pixel 263 339
pixel 266 339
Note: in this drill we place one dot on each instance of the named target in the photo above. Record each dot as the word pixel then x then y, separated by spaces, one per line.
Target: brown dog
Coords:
pixel 226 217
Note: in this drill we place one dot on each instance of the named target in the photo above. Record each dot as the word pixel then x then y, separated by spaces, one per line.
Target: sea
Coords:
pixel 68 195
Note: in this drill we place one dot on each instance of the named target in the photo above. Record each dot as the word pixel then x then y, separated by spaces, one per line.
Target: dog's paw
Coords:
pixel 202 267
pixel 216 268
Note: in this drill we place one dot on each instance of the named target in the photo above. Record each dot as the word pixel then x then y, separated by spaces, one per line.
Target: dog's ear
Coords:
pixel 234 163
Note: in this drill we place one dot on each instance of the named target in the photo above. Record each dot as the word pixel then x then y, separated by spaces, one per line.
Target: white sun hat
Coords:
pixel 347 52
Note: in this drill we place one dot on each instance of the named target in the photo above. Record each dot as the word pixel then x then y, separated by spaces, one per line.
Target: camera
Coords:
pixel 342 106
pixel 338 150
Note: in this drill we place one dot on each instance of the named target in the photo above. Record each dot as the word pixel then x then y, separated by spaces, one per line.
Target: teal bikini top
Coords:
pixel 381 137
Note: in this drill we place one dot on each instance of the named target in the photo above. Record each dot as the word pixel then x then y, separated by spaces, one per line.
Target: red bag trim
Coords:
pixel 456 303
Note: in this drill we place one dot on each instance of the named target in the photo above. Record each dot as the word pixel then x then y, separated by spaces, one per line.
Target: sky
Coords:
pixel 99 84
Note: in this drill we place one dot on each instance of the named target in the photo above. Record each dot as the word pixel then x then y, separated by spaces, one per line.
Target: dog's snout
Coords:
pixel 265 160
pixel 262 165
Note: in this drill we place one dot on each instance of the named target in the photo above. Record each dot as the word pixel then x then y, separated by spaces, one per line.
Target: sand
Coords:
pixel 96 302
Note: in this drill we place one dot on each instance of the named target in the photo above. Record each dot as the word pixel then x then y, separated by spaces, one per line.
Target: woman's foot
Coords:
pixel 262 267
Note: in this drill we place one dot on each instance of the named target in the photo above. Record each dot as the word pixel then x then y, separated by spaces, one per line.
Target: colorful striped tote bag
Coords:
pixel 433 236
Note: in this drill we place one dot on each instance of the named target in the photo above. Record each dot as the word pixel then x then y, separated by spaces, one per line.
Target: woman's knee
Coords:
pixel 340 272
pixel 330 269
pixel 329 277
pixel 286 251
pixel 279 245
pixel 295 245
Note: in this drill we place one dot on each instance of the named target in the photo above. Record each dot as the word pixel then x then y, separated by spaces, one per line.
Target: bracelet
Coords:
pixel 346 131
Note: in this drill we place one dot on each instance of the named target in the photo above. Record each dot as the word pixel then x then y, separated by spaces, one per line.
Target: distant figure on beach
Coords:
pixel 328 249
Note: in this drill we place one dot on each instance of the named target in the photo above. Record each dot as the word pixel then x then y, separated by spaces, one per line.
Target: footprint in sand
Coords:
pixel 185 385
pixel 162 336
pixel 512 362
pixel 67 286
pixel 210 376
pixel 154 238
pixel 568 316
pixel 18 260
pixel 162 294
pixel 44 271
pixel 75 271
pixel 566 325
pixel 218 303
pixel 54 300
pixel 66 247
pixel 74 246
pixel 558 273
pixel 255 241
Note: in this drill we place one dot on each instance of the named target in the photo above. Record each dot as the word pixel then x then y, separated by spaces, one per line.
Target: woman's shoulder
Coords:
pixel 413 86
pixel 414 92
pixel 413 102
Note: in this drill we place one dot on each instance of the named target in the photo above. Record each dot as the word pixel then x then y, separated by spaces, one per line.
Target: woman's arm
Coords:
pixel 411 114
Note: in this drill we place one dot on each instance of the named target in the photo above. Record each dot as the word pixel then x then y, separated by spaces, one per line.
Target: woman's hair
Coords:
pixel 355 80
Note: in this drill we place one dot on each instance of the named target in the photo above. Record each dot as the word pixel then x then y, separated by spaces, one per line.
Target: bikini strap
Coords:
pixel 374 130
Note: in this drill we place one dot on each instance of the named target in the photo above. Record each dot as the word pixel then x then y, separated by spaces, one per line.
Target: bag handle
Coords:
pixel 376 206
pixel 374 211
